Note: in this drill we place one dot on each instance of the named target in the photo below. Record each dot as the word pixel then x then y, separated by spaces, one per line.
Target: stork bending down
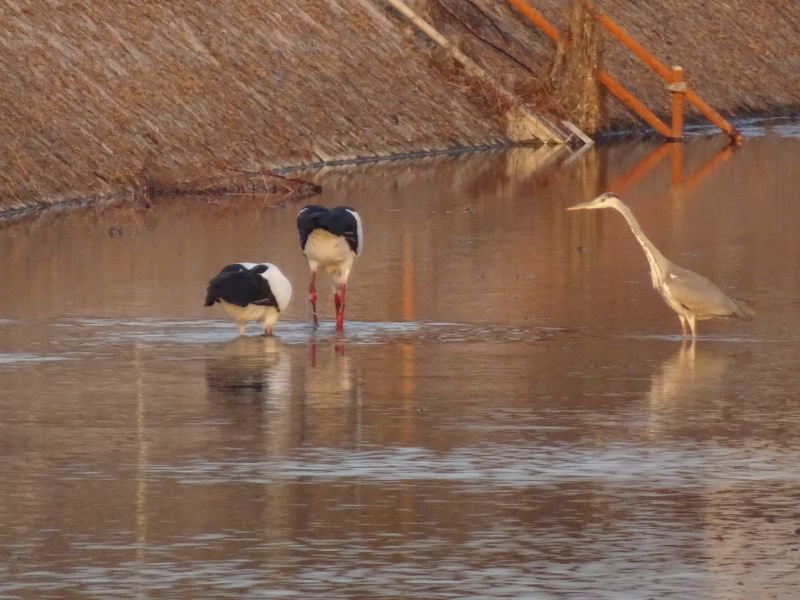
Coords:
pixel 250 292
pixel 330 239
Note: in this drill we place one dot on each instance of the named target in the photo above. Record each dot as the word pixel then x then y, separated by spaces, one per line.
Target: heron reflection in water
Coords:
pixel 690 295
pixel 687 385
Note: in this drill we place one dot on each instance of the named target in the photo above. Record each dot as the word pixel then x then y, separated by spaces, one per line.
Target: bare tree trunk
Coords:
pixel 574 77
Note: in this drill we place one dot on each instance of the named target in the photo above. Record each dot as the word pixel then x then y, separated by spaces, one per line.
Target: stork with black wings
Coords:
pixel 330 239
pixel 250 292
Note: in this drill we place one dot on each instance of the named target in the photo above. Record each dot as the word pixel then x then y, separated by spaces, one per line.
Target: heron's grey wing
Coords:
pixel 698 294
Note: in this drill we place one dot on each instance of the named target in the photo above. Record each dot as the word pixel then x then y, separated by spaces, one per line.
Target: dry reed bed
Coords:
pixel 106 98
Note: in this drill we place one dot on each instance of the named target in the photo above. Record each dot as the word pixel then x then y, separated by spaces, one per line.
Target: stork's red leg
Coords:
pixel 339 300
pixel 312 295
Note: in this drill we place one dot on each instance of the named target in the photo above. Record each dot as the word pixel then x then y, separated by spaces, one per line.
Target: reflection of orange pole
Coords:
pixel 676 190
pixel 408 392
pixel 677 164
pixel 651 160
pixel 712 164
pixel 408 278
pixel 409 426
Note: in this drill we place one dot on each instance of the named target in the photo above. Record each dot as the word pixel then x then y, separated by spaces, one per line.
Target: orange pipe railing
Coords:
pixel 665 73
pixel 672 76
pixel 535 18
pixel 678 88
pixel 630 43
pixel 606 79
pixel 713 116
pixel 632 102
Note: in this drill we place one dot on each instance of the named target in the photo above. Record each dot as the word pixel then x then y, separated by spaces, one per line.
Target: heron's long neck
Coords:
pixel 654 257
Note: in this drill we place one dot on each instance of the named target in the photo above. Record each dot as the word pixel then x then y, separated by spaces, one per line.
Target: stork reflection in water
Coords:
pixel 690 295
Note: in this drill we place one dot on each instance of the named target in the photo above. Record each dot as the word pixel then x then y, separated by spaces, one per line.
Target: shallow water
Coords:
pixel 509 413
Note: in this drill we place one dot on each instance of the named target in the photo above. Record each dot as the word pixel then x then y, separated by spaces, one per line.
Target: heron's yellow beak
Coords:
pixel 582 205
pixel 602 201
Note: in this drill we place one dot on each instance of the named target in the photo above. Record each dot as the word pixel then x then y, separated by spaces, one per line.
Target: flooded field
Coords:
pixel 510 412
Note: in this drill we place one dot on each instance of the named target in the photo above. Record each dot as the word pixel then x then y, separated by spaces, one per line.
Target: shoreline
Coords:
pixel 145 197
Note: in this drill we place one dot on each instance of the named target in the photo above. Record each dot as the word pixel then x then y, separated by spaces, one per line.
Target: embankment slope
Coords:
pixel 104 97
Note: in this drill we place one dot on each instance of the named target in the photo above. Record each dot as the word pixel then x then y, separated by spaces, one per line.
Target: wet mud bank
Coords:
pixel 108 100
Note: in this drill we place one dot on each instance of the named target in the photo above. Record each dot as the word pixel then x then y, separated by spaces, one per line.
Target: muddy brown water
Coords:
pixel 509 413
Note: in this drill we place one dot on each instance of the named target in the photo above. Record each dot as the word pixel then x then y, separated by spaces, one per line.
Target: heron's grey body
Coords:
pixel 690 295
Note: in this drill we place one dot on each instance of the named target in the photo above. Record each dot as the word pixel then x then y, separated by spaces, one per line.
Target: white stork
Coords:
pixel 250 292
pixel 330 239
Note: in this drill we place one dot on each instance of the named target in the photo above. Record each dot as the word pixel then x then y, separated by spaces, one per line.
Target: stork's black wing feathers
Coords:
pixel 343 223
pixel 338 221
pixel 308 221
pixel 240 286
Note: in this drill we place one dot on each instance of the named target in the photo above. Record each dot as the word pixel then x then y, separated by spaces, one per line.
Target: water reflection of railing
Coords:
pixel 678 181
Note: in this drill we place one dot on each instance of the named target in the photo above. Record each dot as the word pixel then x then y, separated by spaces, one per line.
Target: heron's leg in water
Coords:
pixel 691 319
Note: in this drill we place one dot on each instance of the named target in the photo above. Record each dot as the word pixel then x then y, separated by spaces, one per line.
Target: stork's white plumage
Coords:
pixel 251 292
pixel 330 239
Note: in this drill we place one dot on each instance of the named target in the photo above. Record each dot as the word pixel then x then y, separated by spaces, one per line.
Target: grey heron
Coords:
pixel 690 295
pixel 330 239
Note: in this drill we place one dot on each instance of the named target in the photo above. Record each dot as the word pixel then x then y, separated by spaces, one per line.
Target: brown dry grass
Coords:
pixel 106 97
pixel 102 98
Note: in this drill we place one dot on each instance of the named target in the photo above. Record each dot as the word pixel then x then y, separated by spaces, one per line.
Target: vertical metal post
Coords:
pixel 678 88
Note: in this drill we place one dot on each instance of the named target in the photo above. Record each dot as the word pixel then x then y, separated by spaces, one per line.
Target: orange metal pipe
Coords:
pixel 632 45
pixel 634 104
pixel 657 66
pixel 713 116
pixel 535 18
pixel 678 90
pixel 607 80
pixel 615 88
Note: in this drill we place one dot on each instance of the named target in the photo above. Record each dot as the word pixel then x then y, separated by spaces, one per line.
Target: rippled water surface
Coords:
pixel 510 412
